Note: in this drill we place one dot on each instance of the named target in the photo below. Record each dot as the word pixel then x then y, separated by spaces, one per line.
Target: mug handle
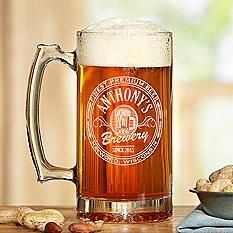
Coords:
pixel 44 55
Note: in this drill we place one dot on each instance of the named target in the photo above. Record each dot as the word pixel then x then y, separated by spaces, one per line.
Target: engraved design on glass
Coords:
pixel 131 115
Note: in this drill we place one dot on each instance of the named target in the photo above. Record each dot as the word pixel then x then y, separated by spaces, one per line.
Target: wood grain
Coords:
pixel 180 212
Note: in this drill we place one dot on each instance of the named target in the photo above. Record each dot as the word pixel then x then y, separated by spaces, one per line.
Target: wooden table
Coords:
pixel 180 212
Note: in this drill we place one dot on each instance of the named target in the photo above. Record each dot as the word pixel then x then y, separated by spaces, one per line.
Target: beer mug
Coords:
pixel 124 120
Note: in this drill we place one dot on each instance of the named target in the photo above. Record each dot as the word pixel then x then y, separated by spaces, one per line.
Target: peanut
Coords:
pixel 223 173
pixel 52 227
pixel 35 220
pixel 219 185
pixel 204 187
pixel 81 228
pixel 228 188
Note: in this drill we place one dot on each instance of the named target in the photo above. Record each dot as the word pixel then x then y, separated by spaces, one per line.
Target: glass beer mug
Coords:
pixel 124 120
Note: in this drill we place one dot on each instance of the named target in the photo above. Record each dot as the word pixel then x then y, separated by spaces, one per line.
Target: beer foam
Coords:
pixel 124 43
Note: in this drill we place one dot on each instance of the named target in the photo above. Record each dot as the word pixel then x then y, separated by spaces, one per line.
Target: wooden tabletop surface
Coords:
pixel 180 212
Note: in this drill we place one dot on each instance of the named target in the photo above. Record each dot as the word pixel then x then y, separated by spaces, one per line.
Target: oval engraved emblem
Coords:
pixel 124 120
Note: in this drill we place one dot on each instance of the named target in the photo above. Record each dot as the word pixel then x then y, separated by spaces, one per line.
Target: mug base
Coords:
pixel 139 211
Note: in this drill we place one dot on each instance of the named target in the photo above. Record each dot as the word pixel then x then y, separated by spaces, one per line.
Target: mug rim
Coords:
pixel 114 33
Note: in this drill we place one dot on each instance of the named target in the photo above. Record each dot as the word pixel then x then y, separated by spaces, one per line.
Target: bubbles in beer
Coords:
pixel 124 43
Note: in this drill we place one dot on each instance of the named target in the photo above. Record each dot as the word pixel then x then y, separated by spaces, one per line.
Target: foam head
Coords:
pixel 124 43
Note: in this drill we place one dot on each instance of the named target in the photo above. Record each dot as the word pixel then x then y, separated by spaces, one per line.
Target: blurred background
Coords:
pixel 203 89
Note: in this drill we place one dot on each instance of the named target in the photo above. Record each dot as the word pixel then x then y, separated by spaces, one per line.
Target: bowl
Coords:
pixel 217 204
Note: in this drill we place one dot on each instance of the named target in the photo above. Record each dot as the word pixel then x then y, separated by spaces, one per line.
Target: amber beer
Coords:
pixel 112 179
pixel 124 132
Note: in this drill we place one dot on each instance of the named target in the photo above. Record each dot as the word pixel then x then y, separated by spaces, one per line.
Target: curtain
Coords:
pixel 24 24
